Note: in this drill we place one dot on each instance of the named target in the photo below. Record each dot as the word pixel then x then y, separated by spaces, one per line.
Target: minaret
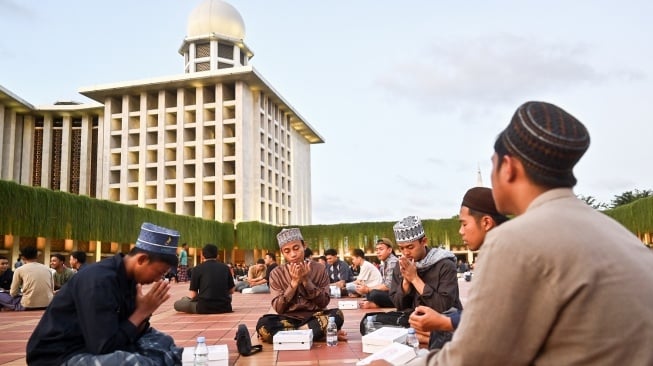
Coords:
pixel 214 38
pixel 479 179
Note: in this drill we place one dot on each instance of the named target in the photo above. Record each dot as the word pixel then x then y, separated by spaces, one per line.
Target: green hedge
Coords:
pixel 35 211
pixel 256 235
pixel 39 212
pixel 636 216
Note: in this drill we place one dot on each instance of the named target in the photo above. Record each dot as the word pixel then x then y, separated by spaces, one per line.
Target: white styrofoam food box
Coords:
pixel 347 304
pixel 293 340
pixel 382 337
pixel 395 353
pixel 218 355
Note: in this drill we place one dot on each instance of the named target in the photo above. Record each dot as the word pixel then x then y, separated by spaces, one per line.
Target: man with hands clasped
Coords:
pixel 300 293
pixel 424 276
pixel 102 316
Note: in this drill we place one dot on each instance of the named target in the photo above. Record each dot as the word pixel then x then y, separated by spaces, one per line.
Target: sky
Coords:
pixel 408 95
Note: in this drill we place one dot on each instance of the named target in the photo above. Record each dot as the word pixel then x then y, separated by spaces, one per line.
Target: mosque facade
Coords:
pixel 216 142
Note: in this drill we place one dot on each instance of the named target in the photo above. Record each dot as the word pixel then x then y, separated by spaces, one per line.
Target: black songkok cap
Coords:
pixel 480 199
pixel 547 139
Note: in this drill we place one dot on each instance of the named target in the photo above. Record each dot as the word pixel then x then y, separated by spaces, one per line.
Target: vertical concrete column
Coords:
pixel 104 154
pixel 15 248
pixel 46 164
pixel 160 151
pixel 124 147
pixel 66 151
pixel 142 149
pixel 98 251
pixel 85 155
pixel 27 154
pixel 179 164
pixel 237 52
pixel 213 55
pixel 47 252
pixel 199 152
pixel 191 57
pixel 8 156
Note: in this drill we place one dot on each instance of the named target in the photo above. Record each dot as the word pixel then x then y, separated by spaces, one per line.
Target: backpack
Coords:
pixel 398 319
pixel 244 343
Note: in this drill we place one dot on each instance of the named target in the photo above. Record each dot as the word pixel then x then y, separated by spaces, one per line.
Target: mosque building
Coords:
pixel 216 142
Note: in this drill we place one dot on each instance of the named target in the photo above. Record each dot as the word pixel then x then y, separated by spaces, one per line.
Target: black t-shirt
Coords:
pixel 269 270
pixel 212 280
pixel 5 279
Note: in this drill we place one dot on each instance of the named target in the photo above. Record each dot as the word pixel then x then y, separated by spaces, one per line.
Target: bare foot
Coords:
pixel 342 335
pixel 368 305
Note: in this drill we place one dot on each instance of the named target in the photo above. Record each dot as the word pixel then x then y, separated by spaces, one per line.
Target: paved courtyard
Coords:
pixel 16 327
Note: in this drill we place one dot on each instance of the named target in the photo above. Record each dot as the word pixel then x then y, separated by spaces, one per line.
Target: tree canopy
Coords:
pixel 629 197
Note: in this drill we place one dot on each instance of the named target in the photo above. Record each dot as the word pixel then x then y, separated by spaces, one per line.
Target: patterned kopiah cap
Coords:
pixel 158 239
pixel 287 235
pixel 547 139
pixel 408 229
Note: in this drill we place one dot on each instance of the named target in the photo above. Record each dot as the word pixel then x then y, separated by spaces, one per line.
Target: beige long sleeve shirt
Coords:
pixel 35 282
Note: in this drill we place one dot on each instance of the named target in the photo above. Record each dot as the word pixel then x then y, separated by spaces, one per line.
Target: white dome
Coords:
pixel 215 16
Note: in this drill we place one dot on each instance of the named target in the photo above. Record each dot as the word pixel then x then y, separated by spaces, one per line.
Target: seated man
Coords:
pixel 255 276
pixel 261 286
pixel 424 276
pixel 101 317
pixel 77 260
pixel 338 270
pixel 368 275
pixel 32 287
pixel 61 273
pixel 211 286
pixel 378 296
pixel 300 293
pixel 6 275
pixel 478 215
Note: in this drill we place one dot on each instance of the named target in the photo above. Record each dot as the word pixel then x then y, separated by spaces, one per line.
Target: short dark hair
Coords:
pixel 322 257
pixel 477 215
pixel 308 252
pixel 79 255
pixel 3 257
pixel 29 252
pixel 272 256
pixel 210 251
pixel 260 261
pixel 358 253
pixel 59 256
pixel 168 259
pixel 331 251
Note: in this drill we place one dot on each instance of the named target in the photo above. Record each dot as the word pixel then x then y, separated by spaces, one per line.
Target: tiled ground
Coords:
pixel 16 327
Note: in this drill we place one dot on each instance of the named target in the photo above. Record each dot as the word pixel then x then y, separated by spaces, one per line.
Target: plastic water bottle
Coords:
pixel 369 325
pixel 411 340
pixel 332 332
pixel 201 352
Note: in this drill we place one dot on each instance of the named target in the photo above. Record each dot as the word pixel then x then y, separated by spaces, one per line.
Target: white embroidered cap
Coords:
pixel 287 235
pixel 408 229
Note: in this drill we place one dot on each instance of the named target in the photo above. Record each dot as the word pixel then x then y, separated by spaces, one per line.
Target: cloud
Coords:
pixel 491 69
pixel 15 8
